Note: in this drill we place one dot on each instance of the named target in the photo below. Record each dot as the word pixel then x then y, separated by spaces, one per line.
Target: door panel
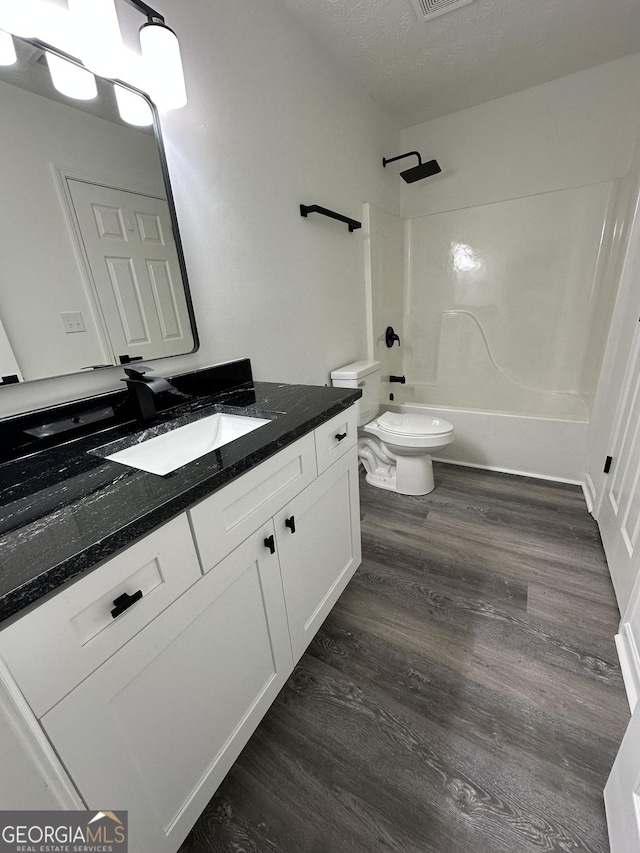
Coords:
pixel 109 222
pixel 164 296
pixel 150 228
pixel 128 299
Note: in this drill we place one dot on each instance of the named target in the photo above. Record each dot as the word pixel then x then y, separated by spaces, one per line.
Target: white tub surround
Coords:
pixel 547 448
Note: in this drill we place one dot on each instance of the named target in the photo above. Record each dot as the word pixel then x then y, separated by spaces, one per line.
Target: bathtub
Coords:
pixel 550 448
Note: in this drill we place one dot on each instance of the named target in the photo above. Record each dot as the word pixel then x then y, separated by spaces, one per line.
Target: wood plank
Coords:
pixel 553 605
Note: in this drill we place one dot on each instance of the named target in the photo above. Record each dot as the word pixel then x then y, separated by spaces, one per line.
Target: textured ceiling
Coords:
pixel 417 70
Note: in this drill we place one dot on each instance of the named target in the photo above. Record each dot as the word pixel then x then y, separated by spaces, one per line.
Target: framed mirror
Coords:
pixel 92 272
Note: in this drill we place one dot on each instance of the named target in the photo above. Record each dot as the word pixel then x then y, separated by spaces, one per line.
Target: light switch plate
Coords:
pixel 73 321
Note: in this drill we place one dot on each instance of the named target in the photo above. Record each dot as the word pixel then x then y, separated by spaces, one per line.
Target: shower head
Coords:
pixel 416 173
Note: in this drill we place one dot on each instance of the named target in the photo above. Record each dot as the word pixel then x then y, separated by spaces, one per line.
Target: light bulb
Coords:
pixel 56 26
pixel 161 55
pixel 70 79
pixel 100 42
pixel 40 19
pixel 132 107
pixel 19 17
pixel 7 49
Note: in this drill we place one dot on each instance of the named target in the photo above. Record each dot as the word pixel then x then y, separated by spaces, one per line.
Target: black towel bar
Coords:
pixel 306 209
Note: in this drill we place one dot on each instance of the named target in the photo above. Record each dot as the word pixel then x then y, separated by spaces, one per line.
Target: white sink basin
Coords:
pixel 172 450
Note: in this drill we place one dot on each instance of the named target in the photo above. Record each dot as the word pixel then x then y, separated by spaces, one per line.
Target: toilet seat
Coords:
pixel 398 423
pixel 409 431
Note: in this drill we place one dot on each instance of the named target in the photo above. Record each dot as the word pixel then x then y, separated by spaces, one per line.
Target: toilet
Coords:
pixel 395 448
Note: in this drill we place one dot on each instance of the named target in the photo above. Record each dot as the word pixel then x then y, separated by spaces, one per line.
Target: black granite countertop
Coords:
pixel 63 509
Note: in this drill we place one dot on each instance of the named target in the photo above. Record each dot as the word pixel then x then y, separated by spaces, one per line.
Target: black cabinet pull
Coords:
pixel 270 543
pixel 291 524
pixel 341 435
pixel 123 602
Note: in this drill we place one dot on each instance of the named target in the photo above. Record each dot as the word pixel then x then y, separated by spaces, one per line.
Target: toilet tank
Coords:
pixel 366 376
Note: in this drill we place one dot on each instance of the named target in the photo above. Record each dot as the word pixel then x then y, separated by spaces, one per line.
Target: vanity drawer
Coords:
pixel 56 645
pixel 335 437
pixel 226 518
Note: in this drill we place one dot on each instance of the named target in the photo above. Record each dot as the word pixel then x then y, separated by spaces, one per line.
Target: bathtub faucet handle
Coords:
pixel 400 379
pixel 390 337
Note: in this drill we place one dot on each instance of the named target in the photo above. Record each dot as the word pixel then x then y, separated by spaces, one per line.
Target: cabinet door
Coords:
pixel 319 558
pixel 157 727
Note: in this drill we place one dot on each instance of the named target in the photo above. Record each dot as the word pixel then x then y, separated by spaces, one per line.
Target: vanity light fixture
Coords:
pixel 89 31
pixel 19 18
pixel 7 49
pixel 161 55
pixel 70 79
pixel 100 46
pixel 132 107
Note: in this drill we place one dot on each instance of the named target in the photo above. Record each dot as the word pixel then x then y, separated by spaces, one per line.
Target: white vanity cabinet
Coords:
pixel 316 520
pixel 149 714
pixel 157 727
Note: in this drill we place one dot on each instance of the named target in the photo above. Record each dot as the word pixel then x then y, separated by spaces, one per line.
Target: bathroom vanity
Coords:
pixel 149 622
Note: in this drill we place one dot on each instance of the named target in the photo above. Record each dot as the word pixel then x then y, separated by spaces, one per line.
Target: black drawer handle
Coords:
pixel 270 543
pixel 123 602
pixel 291 524
pixel 341 435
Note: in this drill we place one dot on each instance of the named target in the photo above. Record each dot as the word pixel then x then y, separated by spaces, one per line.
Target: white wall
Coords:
pixel 575 131
pixel 514 248
pixel 271 123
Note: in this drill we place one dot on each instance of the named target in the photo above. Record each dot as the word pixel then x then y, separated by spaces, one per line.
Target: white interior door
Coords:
pixel 8 362
pixel 628 645
pixel 619 515
pixel 622 792
pixel 132 258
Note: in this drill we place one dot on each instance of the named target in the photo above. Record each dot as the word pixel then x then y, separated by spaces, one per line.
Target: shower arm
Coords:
pixel 386 160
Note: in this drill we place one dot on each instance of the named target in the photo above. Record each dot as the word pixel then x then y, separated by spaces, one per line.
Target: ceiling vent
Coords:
pixel 427 9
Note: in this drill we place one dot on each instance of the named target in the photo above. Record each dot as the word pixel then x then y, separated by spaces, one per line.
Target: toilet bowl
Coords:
pixel 394 448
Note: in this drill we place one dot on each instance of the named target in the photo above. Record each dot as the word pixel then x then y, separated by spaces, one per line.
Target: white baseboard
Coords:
pixel 589 492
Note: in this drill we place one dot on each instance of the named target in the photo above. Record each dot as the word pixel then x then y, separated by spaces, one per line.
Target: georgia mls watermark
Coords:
pixel 63 832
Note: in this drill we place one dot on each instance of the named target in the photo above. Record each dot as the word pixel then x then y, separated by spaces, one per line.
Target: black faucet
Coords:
pixel 142 390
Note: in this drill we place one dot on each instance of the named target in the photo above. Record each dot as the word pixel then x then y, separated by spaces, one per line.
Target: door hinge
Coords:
pixel 607 464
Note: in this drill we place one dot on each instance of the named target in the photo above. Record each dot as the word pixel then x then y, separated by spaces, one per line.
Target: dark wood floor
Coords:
pixel 464 695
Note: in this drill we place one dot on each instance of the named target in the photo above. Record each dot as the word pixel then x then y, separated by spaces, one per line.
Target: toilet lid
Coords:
pixel 410 424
